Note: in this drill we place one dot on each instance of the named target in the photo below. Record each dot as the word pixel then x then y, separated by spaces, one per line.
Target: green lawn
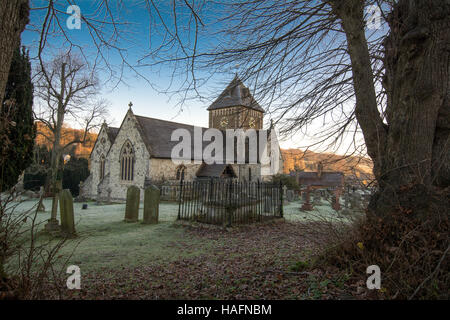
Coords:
pixel 168 260
pixel 105 240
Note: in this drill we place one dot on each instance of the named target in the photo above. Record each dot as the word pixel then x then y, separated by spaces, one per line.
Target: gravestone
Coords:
pixel 80 197
pixel 290 195
pixel 285 199
pixel 336 205
pixel 307 206
pixel 304 195
pixel 132 206
pixel 151 205
pixel 66 212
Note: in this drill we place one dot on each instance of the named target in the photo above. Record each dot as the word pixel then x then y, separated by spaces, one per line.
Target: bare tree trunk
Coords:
pixel 410 152
pixel 417 55
pixel 13 19
pixel 351 13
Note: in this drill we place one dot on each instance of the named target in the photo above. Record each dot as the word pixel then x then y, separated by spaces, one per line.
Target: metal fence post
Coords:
pixel 281 199
pixel 179 199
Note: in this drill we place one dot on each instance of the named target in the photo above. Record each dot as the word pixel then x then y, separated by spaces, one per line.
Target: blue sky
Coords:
pixel 138 35
pixel 146 100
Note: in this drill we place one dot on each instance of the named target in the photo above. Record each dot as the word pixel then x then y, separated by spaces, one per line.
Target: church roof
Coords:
pixel 235 94
pixel 326 179
pixel 112 133
pixel 214 170
pixel 157 134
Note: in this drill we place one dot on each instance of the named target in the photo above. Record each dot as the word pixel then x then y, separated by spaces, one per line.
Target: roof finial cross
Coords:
pixel 130 104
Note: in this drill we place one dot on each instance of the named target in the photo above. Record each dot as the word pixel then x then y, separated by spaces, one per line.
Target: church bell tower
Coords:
pixel 236 108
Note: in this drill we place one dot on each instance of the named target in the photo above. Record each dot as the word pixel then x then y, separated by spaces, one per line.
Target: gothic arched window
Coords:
pixel 127 160
pixel 180 172
pixel 102 167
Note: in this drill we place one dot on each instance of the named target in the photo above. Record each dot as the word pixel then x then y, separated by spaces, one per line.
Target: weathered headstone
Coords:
pixel 132 206
pixel 304 195
pixel 307 206
pixel 290 195
pixel 336 204
pixel 285 199
pixel 151 205
pixel 66 212
pixel 53 223
pixel 80 197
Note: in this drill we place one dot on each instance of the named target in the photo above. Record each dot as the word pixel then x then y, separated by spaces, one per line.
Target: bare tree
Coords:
pixel 67 91
pixel 309 60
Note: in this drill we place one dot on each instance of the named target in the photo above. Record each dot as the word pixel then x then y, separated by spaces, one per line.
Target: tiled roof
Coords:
pixel 112 133
pixel 327 179
pixel 235 94
pixel 157 136
pixel 213 170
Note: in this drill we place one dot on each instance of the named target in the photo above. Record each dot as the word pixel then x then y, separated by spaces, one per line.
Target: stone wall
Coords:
pixel 127 132
pixel 166 169
pixel 101 147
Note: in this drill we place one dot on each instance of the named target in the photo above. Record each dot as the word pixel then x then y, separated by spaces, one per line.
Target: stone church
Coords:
pixel 139 151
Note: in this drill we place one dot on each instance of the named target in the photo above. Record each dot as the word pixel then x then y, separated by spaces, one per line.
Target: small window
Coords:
pixel 249 174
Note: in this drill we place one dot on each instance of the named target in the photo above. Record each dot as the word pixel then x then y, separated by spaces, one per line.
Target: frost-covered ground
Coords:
pixel 105 240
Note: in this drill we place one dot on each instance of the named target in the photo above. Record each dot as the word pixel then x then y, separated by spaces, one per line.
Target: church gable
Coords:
pixel 128 157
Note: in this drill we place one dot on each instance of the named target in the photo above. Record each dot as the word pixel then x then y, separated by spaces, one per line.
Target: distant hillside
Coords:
pixel 307 161
pixel 68 134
